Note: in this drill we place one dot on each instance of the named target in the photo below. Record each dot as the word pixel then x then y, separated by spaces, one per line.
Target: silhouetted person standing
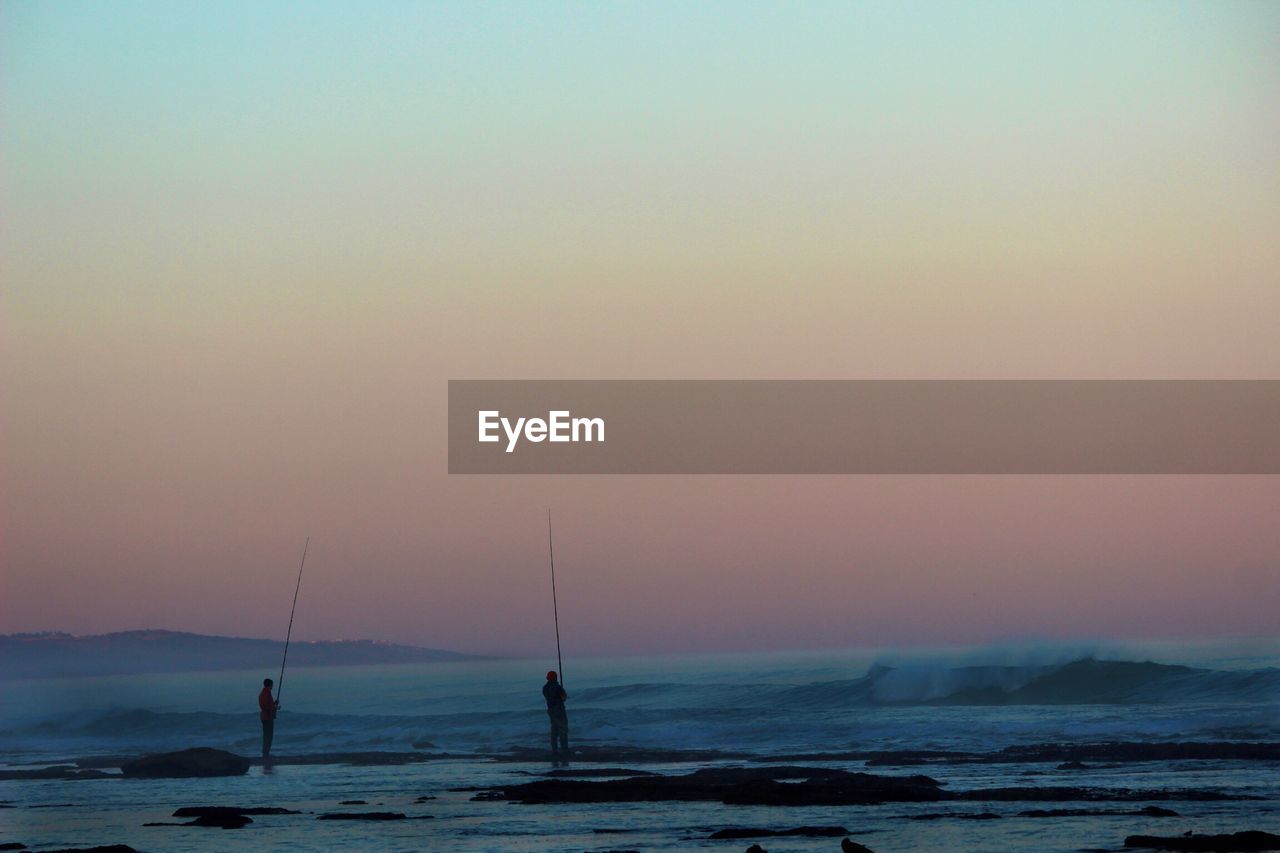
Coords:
pixel 555 696
pixel 267 708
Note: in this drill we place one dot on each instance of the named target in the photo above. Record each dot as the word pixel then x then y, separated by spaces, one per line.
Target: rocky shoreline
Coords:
pixel 607 774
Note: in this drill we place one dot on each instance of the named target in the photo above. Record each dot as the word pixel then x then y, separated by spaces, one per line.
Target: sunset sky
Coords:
pixel 245 245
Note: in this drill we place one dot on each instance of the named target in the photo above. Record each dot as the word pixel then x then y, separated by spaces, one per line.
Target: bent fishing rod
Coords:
pixel 289 634
pixel 555 607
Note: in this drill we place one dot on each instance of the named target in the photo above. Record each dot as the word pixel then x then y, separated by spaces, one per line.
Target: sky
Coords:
pixel 245 245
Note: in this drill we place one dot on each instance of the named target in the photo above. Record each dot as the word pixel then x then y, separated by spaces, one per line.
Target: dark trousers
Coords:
pixel 268 732
pixel 559 730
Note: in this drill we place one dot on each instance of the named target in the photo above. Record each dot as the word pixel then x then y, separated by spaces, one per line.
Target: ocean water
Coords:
pixel 972 700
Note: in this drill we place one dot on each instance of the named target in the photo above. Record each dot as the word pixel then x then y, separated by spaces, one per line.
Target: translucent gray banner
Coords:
pixel 864 427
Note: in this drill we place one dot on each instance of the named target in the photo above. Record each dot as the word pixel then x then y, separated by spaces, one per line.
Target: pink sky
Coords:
pixel 238 274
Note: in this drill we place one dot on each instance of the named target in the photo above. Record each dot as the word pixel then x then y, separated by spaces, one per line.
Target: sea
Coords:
pixel 748 705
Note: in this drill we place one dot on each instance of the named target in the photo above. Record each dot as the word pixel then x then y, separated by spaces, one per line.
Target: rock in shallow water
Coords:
pixel 59 771
pixel 955 815
pixel 775 785
pixel 222 817
pixel 1245 842
pixel 217 821
pixel 205 811
pixel 799 831
pixel 595 772
pixel 362 816
pixel 226 821
pixel 199 762
pixel 810 786
pixel 1146 811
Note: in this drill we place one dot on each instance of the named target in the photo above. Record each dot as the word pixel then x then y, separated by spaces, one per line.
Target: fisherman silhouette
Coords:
pixel 555 696
pixel 267 708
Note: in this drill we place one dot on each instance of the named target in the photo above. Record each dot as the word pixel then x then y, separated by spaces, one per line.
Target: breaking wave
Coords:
pixel 891 705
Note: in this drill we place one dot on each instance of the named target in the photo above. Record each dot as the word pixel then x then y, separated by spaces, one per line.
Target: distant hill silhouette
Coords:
pixel 49 655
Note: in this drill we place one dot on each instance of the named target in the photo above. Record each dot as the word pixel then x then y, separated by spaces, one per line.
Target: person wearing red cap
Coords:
pixel 555 696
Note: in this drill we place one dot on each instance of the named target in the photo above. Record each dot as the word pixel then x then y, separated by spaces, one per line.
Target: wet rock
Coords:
pixel 101 848
pixel 833 788
pixel 1149 811
pixel 593 772
pixel 1237 841
pixel 13 845
pixel 425 798
pixel 362 816
pixel 230 821
pixel 904 757
pixel 1120 751
pixel 1073 765
pixel 811 786
pixel 736 785
pixel 362 759
pixel 353 803
pixel 1127 751
pixel 756 848
pixel 617 755
pixel 850 846
pixel 954 816
pixel 1063 794
pixel 217 811
pixel 217 821
pixel 801 831
pixel 57 771
pixel 99 762
pixel 1156 811
pixel 187 763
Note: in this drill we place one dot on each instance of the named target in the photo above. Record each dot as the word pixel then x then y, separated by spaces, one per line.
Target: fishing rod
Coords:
pixel 289 634
pixel 555 607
